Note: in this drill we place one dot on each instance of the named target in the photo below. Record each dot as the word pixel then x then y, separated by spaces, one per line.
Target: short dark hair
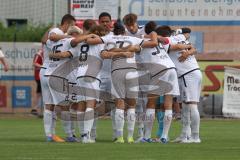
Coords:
pixel 130 19
pixel 105 14
pixel 150 26
pixel 118 29
pixel 67 18
pixel 186 30
pixel 164 31
pixel 88 23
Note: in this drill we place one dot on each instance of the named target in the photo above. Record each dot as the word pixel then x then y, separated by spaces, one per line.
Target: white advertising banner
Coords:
pixel 183 10
pixel 231 93
pixel 90 9
pixel 19 56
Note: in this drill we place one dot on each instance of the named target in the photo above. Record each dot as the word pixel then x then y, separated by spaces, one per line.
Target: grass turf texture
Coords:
pixel 23 139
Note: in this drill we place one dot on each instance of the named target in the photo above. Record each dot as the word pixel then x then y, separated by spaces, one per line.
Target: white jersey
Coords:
pixel 140 32
pixel 47 47
pixel 106 67
pixel 157 55
pixel 189 64
pixel 118 41
pixel 59 46
pixel 46 59
pixel 90 62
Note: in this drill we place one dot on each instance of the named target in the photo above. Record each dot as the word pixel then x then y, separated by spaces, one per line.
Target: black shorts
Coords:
pixel 39 90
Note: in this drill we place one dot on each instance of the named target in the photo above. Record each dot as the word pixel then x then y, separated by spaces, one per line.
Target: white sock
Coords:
pixel 88 120
pixel 185 121
pixel 119 121
pixel 195 121
pixel 140 124
pixel 53 125
pixel 113 111
pixel 148 122
pixel 94 129
pixel 131 118
pixel 166 123
pixel 80 122
pixel 47 121
pixel 73 121
pixel 66 122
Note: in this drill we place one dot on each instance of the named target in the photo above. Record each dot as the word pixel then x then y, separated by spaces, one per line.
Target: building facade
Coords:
pixel 32 12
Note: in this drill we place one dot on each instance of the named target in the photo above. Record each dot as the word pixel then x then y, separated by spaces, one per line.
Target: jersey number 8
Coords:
pixel 84 52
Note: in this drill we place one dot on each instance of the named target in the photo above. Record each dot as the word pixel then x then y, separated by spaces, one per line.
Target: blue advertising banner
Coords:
pixel 21 96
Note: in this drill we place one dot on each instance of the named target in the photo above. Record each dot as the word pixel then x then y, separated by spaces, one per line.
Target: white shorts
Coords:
pixel 105 84
pixel 170 76
pixel 125 83
pixel 59 89
pixel 190 86
pixel 72 77
pixel 105 88
pixel 46 94
pixel 89 89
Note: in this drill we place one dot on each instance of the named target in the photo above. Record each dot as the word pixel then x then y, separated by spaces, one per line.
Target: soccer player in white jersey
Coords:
pixel 162 74
pixel 135 30
pixel 124 77
pixel 58 71
pixel 190 79
pixel 88 82
pixel 49 116
pixel 105 20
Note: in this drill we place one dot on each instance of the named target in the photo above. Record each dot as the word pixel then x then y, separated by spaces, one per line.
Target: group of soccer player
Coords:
pixel 127 65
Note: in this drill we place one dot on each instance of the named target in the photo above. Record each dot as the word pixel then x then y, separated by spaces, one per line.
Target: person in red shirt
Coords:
pixel 37 63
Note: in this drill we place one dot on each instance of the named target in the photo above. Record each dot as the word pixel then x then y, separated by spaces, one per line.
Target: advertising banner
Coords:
pixel 231 96
pixel 212 12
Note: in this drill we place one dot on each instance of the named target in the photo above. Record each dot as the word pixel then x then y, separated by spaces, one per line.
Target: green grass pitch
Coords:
pixel 23 139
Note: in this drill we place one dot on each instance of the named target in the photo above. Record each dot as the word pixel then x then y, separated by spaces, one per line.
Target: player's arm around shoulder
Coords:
pixel 60 55
pixel 81 38
pixel 111 54
pixel 94 39
pixel 56 37
pixel 153 41
pixel 179 47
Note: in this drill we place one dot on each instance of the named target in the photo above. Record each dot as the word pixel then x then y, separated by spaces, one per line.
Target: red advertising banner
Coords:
pixel 3 96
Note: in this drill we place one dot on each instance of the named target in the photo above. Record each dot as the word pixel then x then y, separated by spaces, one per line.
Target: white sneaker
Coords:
pixel 87 140
pixel 186 140
pixel 198 140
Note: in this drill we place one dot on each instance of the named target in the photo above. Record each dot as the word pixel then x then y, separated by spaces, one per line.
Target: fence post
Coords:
pixel 213 106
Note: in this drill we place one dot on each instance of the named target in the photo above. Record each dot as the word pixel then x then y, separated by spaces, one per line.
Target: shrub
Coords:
pixel 22 34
